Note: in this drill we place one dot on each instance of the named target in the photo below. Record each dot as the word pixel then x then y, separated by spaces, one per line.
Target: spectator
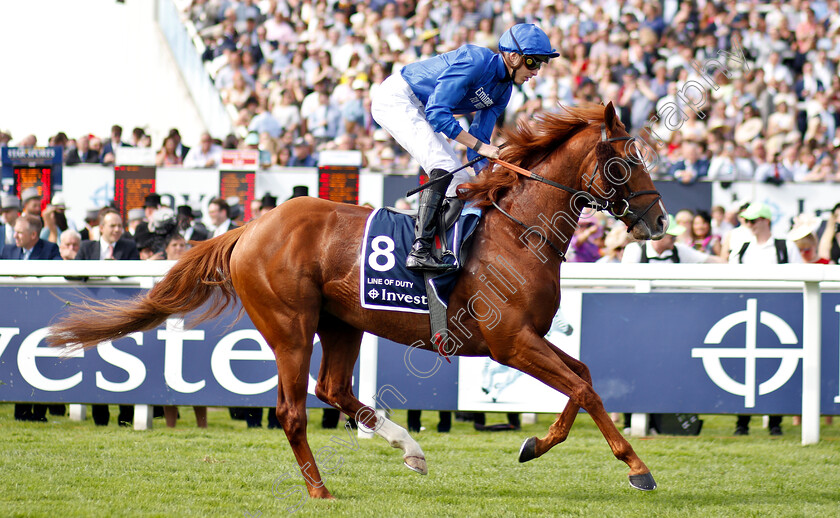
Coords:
pixel 180 149
pixel 55 219
pixel 191 229
pixel 31 198
pixel 666 249
pixel 82 154
pixel 283 157
pixel 151 204
pixel 761 248
pixel 239 91
pixel 685 219
pixel 615 242
pixel 219 212
pixel 135 218
pixel 206 155
pixel 704 240
pixel 443 426
pixel 267 204
pixel 264 121
pixel 168 154
pixel 69 243
pixel 582 245
pixel 29 247
pixel 28 244
pixel 109 150
pixel 137 136
pixel 110 246
pixel 829 247
pixel 692 166
pixel 286 112
pixel 324 121
pixel 302 154
pixel 9 212
pixel 91 230
pixel 353 111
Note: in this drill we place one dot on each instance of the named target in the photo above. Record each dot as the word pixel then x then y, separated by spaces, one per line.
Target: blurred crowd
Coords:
pixel 304 69
pixel 298 76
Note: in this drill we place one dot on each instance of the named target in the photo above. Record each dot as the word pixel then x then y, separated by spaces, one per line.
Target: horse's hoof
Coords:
pixel 643 482
pixel 417 464
pixel 528 450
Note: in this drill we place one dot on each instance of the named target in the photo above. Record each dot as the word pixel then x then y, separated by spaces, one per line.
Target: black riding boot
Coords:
pixel 421 257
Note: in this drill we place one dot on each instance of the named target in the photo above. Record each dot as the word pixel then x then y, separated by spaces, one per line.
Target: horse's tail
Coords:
pixel 202 274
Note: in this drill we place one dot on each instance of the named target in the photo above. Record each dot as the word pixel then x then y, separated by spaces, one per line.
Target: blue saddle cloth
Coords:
pixel 385 282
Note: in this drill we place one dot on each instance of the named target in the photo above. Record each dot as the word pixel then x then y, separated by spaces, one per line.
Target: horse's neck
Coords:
pixel 552 211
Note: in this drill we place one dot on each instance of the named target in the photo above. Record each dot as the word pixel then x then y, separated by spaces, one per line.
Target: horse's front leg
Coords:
pixel 534 355
pixel 534 447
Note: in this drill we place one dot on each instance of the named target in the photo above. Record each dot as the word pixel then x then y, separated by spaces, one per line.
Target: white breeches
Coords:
pixel 398 110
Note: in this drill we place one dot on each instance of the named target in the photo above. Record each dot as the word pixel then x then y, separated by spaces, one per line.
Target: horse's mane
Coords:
pixel 528 144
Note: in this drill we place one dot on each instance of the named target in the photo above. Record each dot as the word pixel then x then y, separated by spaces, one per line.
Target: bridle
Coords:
pixel 594 202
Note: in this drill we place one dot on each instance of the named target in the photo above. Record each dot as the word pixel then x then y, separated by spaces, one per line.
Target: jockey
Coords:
pixel 417 107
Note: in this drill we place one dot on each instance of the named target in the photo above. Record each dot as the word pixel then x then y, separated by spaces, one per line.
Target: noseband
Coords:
pixel 595 202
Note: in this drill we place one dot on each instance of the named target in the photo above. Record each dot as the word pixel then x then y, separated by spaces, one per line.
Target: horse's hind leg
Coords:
pixel 534 447
pixel 340 343
pixel 289 331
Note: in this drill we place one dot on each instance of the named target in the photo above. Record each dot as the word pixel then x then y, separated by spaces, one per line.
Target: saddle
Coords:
pixel 448 214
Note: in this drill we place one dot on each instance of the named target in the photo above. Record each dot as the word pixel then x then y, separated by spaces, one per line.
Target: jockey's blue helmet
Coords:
pixel 528 40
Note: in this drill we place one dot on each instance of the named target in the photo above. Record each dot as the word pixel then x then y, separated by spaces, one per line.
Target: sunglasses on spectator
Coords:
pixel 531 62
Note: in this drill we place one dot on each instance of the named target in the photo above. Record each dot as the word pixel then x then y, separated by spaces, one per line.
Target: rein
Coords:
pixel 595 202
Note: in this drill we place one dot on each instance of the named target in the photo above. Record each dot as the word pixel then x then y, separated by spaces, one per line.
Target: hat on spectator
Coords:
pixel 429 33
pixel 299 190
pixel 387 154
pixel 235 208
pixel 8 202
pixel 800 231
pixel 527 39
pixel 58 200
pixel 359 84
pixel 152 200
pixel 748 130
pixel 380 135
pixel 617 238
pixel 268 202
pixel 29 193
pixel 92 215
pixel 136 214
pixel 775 143
pixel 674 228
pixel 252 139
pixel 185 210
pixel 756 210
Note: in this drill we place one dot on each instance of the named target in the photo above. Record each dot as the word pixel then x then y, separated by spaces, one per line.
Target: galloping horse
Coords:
pixel 296 272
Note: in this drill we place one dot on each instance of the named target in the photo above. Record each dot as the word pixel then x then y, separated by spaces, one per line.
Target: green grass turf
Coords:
pixel 64 468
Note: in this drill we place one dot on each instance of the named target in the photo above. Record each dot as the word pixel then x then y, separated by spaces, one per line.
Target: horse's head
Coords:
pixel 601 169
pixel 621 180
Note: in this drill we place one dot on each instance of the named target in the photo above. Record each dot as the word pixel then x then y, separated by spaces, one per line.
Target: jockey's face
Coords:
pixel 524 73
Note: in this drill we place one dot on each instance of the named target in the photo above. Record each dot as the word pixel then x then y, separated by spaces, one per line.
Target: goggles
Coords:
pixel 532 62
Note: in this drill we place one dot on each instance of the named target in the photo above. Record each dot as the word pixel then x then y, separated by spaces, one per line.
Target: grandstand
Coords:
pixel 767 113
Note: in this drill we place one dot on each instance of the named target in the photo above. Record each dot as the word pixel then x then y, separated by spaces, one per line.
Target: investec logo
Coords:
pixel 391 296
pixel 711 356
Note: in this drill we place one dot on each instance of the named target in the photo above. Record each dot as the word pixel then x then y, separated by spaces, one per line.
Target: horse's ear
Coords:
pixel 609 116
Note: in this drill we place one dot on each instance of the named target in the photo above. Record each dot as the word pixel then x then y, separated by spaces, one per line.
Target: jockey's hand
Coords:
pixel 488 150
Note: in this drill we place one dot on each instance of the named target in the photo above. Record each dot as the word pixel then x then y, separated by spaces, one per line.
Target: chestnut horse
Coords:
pixel 296 273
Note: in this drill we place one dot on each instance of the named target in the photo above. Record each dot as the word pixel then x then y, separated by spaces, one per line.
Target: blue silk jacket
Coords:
pixel 469 79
